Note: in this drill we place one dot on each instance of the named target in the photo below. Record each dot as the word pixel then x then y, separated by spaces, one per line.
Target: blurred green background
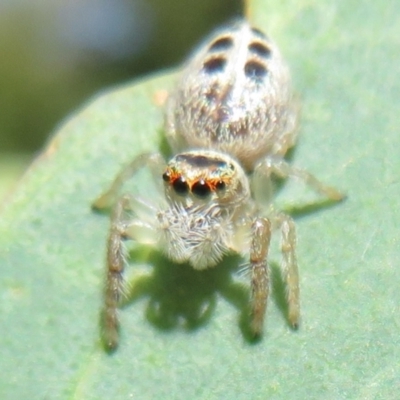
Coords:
pixel 55 54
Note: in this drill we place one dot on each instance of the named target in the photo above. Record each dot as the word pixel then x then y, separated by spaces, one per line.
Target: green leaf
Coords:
pixel 11 167
pixel 183 333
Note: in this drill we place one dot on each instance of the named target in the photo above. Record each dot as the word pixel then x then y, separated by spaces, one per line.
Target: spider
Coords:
pixel 230 121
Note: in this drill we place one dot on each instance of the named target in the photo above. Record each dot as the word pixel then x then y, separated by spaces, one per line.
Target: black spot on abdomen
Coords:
pixel 260 49
pixel 255 70
pixel 214 65
pixel 221 44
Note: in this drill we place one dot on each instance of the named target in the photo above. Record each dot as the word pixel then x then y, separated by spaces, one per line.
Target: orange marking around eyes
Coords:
pixel 214 182
pixel 173 175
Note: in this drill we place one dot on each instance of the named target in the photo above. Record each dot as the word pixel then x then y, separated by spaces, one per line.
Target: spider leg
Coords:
pixel 290 268
pixel 262 184
pixel 114 285
pixel 260 241
pixel 122 227
pixel 139 229
pixel 154 161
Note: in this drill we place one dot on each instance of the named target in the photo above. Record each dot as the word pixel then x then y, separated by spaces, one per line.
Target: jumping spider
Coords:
pixel 229 122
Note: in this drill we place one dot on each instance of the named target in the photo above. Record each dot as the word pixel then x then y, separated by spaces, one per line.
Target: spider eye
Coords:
pixel 220 185
pixel 180 186
pixel 201 189
pixel 166 176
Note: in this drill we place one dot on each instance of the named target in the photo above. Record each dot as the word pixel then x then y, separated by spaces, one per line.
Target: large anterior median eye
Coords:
pixel 180 186
pixel 201 189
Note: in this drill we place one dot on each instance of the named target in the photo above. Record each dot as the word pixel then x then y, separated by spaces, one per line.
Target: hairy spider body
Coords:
pixel 230 121
pixel 234 95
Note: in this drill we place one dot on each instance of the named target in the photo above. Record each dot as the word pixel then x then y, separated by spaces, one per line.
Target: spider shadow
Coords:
pixel 180 297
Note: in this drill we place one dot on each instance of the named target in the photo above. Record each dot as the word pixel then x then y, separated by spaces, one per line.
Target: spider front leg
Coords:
pixel 154 161
pixel 260 241
pixel 140 229
pixel 274 165
pixel 114 277
pixel 122 228
pixel 289 266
